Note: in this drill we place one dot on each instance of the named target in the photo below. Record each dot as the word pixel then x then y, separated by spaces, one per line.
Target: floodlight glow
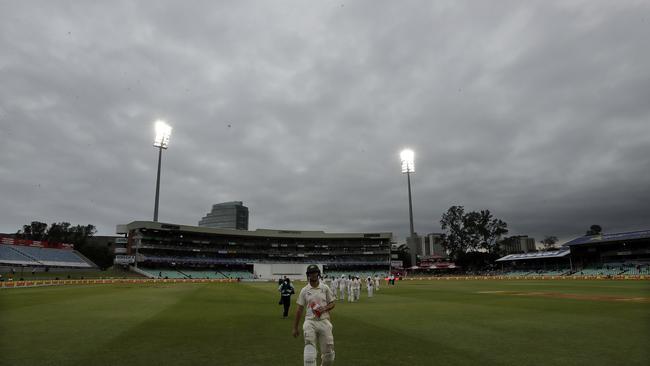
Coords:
pixel 163 132
pixel 408 161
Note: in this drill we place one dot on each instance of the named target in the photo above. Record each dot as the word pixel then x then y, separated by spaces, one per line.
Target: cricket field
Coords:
pixel 426 322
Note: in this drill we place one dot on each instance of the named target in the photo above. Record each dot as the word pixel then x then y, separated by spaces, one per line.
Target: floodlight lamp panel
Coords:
pixel 163 133
pixel 407 157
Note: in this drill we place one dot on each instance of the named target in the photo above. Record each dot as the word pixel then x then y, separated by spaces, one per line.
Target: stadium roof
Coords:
pixel 562 252
pixel 610 238
pixel 266 233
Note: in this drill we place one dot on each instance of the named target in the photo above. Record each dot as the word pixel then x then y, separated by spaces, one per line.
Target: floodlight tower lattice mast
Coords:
pixel 407 157
pixel 163 133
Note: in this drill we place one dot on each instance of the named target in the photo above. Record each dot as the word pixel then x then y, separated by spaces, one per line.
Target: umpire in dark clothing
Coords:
pixel 286 290
pixel 280 282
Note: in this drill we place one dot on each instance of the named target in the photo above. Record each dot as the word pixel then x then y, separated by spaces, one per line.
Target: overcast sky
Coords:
pixel 536 110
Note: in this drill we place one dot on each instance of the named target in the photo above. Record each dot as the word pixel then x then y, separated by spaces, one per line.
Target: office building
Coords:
pixel 227 215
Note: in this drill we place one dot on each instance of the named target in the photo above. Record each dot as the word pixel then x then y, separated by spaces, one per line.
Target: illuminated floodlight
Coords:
pixel 408 161
pixel 163 132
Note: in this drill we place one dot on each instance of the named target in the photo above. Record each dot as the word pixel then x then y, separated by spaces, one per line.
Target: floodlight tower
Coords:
pixel 408 166
pixel 407 156
pixel 163 132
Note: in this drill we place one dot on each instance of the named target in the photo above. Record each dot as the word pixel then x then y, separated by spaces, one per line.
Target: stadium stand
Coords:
pixel 613 254
pixel 360 274
pixel 638 270
pixel 35 256
pixel 11 256
pixel 201 252
pixel 562 252
pixel 197 274
pixel 159 273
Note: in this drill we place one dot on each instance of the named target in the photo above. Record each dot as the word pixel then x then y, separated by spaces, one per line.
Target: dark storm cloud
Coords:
pixel 537 111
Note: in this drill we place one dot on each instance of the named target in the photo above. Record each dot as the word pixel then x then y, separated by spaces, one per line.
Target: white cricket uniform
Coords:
pixel 357 289
pixel 350 287
pixel 377 281
pixel 342 286
pixel 317 330
pixel 369 286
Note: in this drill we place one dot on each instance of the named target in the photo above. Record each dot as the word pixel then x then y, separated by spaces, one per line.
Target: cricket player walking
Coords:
pixel 349 289
pixel 369 286
pixel 318 298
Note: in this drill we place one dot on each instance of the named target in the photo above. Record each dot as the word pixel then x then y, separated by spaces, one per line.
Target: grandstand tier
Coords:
pixel 20 255
pixel 208 252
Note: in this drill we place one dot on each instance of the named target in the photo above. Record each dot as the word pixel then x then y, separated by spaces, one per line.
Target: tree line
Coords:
pixel 477 238
pixel 64 232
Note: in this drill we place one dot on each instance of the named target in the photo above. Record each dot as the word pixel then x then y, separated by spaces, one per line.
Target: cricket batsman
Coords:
pixel 318 298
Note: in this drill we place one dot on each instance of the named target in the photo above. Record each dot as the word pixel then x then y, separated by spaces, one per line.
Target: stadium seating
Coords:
pixel 598 272
pixel 517 273
pixel 157 273
pixel 360 274
pixel 182 273
pixel 203 274
pixel 10 256
pixel 636 271
pixel 43 256
pixel 538 272
pixel 238 274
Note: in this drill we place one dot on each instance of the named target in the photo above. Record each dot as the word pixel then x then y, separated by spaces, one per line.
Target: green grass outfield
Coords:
pixel 415 323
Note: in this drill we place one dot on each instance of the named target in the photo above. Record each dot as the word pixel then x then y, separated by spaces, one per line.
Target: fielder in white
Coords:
pixel 328 281
pixel 343 284
pixel 348 288
pixel 369 286
pixel 377 282
pixel 356 289
pixel 318 298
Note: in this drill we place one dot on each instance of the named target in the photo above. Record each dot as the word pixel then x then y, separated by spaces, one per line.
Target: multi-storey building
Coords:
pixel 518 244
pixel 227 215
pixel 431 245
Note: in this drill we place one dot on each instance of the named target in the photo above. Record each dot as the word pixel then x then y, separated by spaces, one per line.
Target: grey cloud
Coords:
pixel 536 111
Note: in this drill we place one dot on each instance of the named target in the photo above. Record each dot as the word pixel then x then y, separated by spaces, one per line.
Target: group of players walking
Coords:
pixel 351 285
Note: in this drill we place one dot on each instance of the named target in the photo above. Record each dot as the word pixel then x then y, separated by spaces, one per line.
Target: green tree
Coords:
pixel 59 232
pixel 594 230
pixel 471 231
pixel 64 232
pixel 486 230
pixel 456 239
pixel 549 242
pixel 35 231
pixel 100 255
